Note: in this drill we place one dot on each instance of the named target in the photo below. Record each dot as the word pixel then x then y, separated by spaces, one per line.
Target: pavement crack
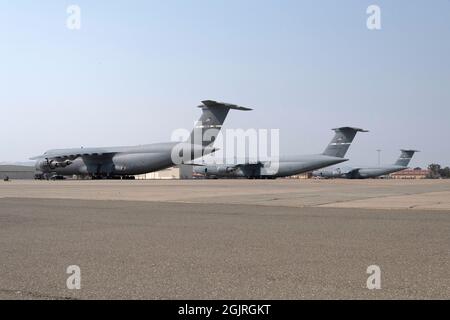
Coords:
pixel 34 295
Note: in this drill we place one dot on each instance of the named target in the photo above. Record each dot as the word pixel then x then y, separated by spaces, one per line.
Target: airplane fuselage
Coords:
pixel 360 173
pixel 284 167
pixel 374 172
pixel 116 161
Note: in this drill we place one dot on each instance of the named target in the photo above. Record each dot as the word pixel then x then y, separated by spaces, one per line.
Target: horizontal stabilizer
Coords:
pixel 213 104
pixel 350 129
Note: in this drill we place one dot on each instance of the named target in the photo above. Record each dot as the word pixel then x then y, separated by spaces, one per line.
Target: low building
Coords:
pixel 16 172
pixel 179 172
pixel 305 175
pixel 410 174
pixel 166 174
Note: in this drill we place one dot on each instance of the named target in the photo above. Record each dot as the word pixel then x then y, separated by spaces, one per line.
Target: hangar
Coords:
pixel 16 172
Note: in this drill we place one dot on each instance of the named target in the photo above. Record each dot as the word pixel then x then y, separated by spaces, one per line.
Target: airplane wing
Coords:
pixel 250 165
pixel 75 153
pixel 350 172
pixel 240 165
pixel 245 167
pixel 195 164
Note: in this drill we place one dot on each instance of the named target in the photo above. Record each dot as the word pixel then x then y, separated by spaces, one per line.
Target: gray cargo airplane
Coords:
pixel 126 161
pixel 287 165
pixel 369 172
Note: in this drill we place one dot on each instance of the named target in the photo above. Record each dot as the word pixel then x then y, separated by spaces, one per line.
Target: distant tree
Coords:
pixel 445 173
pixel 417 168
pixel 434 171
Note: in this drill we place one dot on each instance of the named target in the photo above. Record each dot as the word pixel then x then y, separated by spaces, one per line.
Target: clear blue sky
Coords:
pixel 137 69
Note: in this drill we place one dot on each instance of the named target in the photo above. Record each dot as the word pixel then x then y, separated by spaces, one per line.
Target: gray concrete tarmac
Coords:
pixel 194 250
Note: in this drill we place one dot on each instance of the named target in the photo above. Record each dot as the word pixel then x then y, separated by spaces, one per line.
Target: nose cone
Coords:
pixel 39 166
pixel 202 169
pixel 199 169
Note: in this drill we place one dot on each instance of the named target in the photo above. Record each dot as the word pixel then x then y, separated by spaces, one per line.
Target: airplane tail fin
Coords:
pixel 341 142
pixel 405 157
pixel 213 116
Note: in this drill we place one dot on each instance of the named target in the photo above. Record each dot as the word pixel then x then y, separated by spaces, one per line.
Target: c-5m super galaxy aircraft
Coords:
pixel 127 161
pixel 287 165
pixel 369 172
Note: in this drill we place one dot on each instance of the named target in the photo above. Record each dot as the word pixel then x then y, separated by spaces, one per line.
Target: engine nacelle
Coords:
pixel 62 164
pixel 224 169
pixel 46 164
pixel 218 170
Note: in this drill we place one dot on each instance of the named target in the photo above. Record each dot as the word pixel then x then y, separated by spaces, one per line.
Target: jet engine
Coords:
pixel 47 164
pixel 228 169
pixel 222 170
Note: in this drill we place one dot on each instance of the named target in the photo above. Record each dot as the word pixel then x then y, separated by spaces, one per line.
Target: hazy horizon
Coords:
pixel 135 72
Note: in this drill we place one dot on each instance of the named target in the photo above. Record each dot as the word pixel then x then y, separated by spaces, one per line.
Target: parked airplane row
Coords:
pixel 134 160
pixel 333 154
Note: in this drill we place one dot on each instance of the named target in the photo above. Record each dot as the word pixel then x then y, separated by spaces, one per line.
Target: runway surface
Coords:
pixel 367 194
pixel 284 239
